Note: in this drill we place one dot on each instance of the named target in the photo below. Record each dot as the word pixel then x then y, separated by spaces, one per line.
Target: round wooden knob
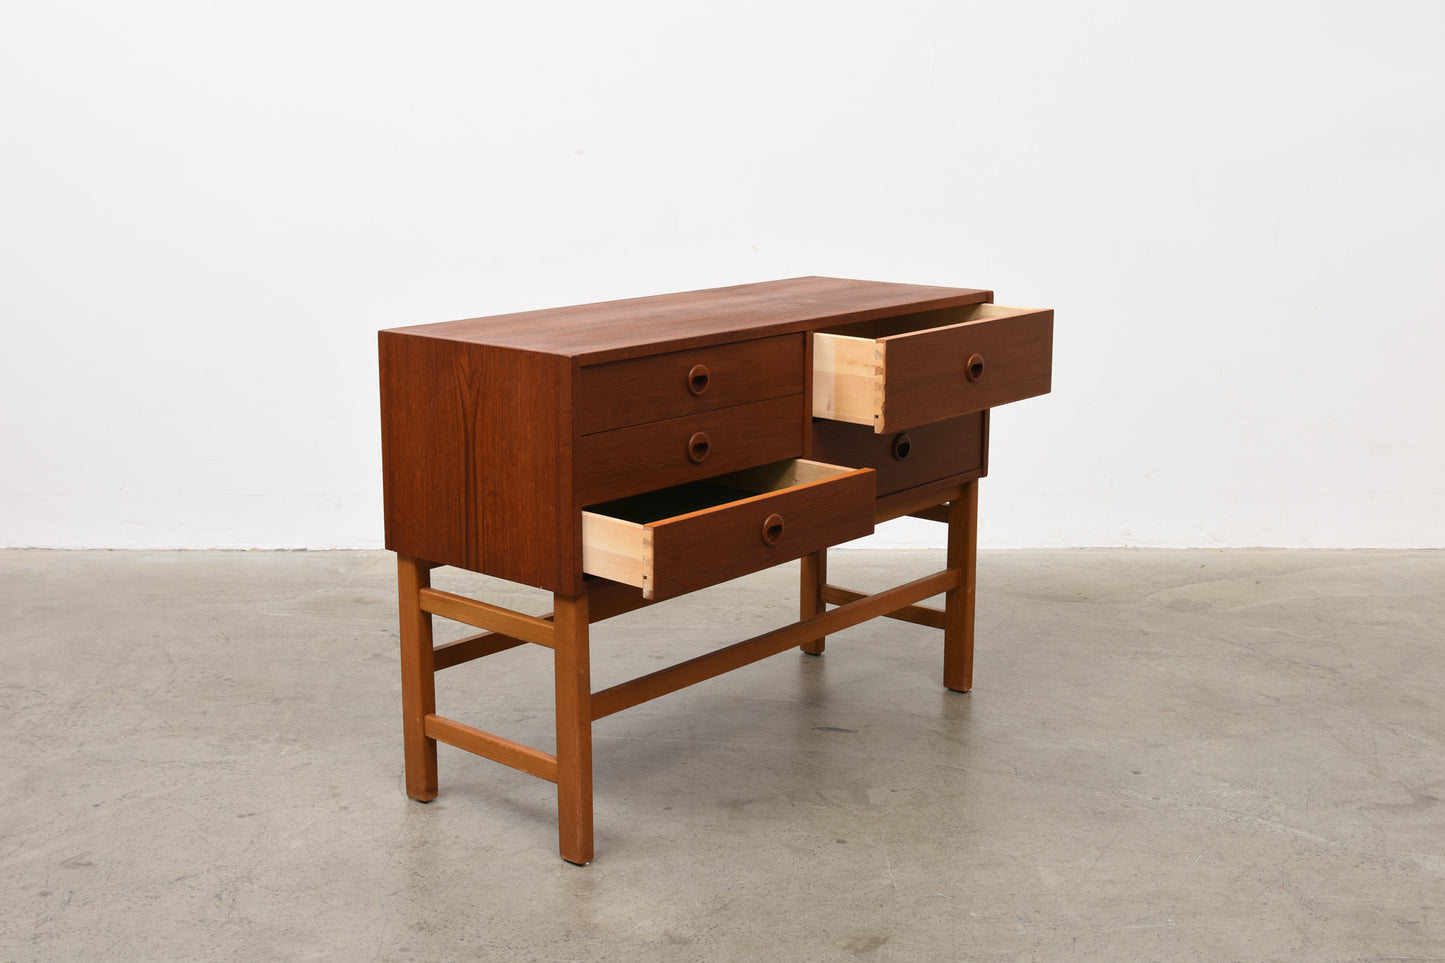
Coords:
pixel 698 447
pixel 974 368
pixel 697 379
pixel 773 529
pixel 902 445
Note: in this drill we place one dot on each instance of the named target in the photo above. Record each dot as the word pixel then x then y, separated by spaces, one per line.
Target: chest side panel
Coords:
pixel 424 416
pixel 473 438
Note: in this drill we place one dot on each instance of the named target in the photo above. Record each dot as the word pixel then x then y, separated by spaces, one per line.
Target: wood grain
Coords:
pixel 900 372
pixel 934 451
pixel 472 647
pixel 917 614
pixel 926 378
pixel 959 602
pixel 704 667
pixel 424 448
pixel 418 678
pixel 476 447
pixel 572 678
pixel 693 551
pixel 498 432
pixel 613 330
pixel 656 388
pixel 483 615
pixel 812 578
pixel 669 555
pixel 614 464
pixel 493 747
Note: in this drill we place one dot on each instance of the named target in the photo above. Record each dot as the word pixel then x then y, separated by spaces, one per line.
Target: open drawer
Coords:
pixel 684 538
pixel 901 372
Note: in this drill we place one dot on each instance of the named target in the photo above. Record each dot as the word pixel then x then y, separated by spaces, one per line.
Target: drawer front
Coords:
pixel 905 459
pixel 898 373
pixel 663 386
pixel 614 464
pixel 815 506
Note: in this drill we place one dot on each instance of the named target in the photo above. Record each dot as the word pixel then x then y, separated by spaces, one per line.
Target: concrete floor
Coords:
pixel 1167 756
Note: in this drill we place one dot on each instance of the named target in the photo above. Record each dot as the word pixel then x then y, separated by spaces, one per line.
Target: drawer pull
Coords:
pixel 902 445
pixel 975 367
pixel 773 529
pixel 697 379
pixel 698 447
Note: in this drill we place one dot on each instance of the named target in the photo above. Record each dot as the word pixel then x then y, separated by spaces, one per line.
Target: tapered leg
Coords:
pixel 815 576
pixel 418 682
pixel 959 603
pixel 574 728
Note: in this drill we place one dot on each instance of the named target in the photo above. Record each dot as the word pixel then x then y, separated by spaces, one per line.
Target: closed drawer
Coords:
pixel 896 373
pixel 628 461
pixel 906 459
pixel 681 539
pixel 663 386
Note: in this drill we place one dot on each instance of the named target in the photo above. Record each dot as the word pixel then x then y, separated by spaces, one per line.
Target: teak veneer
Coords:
pixel 622 453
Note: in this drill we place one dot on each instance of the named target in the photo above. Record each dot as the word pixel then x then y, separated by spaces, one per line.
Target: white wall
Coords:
pixel 1237 210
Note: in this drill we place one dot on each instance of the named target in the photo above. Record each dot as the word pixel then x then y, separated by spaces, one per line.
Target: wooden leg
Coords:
pixel 815 576
pixel 418 683
pixel 959 603
pixel 574 728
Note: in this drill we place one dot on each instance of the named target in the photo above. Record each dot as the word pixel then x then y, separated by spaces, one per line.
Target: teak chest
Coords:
pixel 621 453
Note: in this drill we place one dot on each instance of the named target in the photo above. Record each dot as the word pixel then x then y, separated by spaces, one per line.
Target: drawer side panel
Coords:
pixel 847 378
